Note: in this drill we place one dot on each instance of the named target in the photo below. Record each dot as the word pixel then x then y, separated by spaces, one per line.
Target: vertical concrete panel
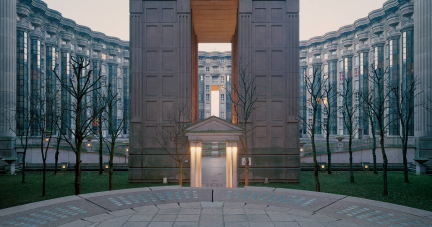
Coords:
pixel 423 65
pixel 8 60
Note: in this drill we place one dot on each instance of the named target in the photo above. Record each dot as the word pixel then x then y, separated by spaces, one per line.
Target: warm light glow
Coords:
pixel 64 166
pixel 106 166
pixel 127 149
pixel 229 167
pixel 46 139
pixel 366 166
pixel 322 166
pixel 193 168
pixel 301 149
pixel 325 101
pixel 88 145
pixel 198 167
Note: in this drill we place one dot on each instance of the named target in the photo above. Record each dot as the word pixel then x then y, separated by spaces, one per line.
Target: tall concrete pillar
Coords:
pixel 8 61
pixel 423 71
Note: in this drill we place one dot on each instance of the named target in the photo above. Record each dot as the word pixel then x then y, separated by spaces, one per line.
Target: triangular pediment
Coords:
pixel 213 124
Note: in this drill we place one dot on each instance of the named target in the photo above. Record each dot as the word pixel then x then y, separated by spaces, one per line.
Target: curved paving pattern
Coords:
pixel 176 206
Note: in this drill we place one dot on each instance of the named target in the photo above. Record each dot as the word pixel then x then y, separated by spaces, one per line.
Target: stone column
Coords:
pixel 8 37
pixel 423 65
pixel 423 71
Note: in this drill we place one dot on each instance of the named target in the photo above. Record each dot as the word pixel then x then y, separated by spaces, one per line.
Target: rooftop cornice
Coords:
pixel 388 7
pixel 56 17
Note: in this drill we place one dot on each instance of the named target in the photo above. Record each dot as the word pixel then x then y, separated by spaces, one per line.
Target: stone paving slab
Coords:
pixel 52 215
pixel 175 206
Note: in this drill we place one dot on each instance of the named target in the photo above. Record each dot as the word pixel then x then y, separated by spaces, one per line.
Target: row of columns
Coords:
pixel 196 164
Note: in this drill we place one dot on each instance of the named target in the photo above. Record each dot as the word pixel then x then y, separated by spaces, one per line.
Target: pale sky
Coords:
pixel 317 17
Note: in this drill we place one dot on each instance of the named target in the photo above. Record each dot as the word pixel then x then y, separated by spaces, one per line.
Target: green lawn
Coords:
pixel 416 194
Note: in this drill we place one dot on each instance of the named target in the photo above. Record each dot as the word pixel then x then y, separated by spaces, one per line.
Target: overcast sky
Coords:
pixel 317 17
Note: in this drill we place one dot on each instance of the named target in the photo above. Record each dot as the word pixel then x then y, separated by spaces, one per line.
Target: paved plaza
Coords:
pixel 182 206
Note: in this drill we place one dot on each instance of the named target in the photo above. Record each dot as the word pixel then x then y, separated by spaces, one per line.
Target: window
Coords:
pixel 356 59
pixel 207 106
pixel 104 68
pixel 222 69
pixel 357 46
pixel 341 64
pixel 207 60
pixel 341 52
pixel 310 112
pixel 207 79
pixel 325 56
pixel 310 60
pixel 341 123
pixel 325 68
pixel 126 60
pixel 222 60
pixel 215 59
pixel 222 88
pixel 79 48
pixel 200 58
pixel 207 88
pixel 222 79
pixel 111 57
pixel 228 78
pixel 356 97
pixel 310 71
pixel 222 106
pixel 104 56
pixel 356 85
pixel 222 115
pixel 207 69
pixel 222 97
pixel 310 121
pixel 201 68
pixel 207 97
pixel 207 115
pixel 214 79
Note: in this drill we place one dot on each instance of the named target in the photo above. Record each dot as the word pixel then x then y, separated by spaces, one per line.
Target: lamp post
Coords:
pixel 126 151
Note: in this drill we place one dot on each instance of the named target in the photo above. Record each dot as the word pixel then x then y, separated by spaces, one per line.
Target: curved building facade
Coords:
pixel 396 37
pixel 44 40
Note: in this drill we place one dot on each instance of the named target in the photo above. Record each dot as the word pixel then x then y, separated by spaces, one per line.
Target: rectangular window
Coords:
pixel 222 69
pixel 207 88
pixel 207 97
pixel 207 106
pixel 222 80
pixel 222 60
pixel 207 60
pixel 222 115
pixel 325 56
pixel 356 97
pixel 310 112
pixel 310 121
pixel 104 56
pixel 356 85
pixel 214 79
pixel 222 106
pixel 104 68
pixel 222 97
pixel 207 79
pixel 357 60
pixel 207 69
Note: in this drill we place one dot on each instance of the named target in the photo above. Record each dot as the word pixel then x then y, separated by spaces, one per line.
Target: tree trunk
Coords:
pixel 351 159
pixel 24 165
pixel 328 153
pixel 247 162
pixel 181 173
pixel 78 169
pixel 375 168
pixel 44 178
pixel 56 156
pixel 111 166
pixel 385 162
pixel 405 161
pixel 100 146
pixel 317 183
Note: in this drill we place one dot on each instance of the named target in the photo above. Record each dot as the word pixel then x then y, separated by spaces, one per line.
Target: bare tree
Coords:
pixel 403 95
pixel 314 88
pixel 114 128
pixel 330 111
pixel 172 135
pixel 244 97
pixel 78 86
pixel 100 100
pixel 23 128
pixel 369 119
pixel 350 118
pixel 376 101
pixel 44 120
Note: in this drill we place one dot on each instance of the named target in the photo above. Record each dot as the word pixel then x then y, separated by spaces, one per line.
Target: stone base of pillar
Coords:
pixel 10 169
pixel 7 148
pixel 420 169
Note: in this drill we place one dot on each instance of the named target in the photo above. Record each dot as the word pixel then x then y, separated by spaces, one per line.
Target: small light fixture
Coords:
pixel 88 145
pixel 46 139
pixel 365 166
pixel 63 166
pixel 322 166
pixel 106 166
pixel 127 149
